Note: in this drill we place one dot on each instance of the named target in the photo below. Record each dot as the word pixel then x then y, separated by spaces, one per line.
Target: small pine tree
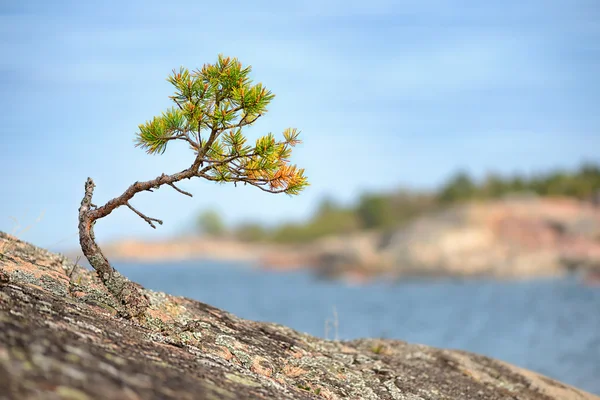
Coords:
pixel 212 106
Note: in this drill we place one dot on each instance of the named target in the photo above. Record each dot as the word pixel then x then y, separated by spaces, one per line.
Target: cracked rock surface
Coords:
pixel 60 338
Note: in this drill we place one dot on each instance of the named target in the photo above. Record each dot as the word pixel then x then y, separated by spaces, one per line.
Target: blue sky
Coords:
pixel 386 93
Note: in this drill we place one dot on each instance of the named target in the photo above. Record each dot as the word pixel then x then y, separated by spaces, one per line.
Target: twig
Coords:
pixel 145 218
pixel 179 190
pixel 74 267
pixel 214 163
pixel 183 135
pixel 241 123
pixel 256 182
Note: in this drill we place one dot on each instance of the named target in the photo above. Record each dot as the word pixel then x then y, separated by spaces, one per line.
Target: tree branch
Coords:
pixel 183 136
pixel 248 181
pixel 145 218
pixel 213 163
pixel 178 105
pixel 137 187
pixel 179 190
pixel 241 123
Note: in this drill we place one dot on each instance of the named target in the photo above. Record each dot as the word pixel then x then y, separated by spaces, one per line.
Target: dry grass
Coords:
pixel 18 230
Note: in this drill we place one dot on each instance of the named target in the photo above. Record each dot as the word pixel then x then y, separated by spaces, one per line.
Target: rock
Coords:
pixel 513 238
pixel 60 339
pixel 355 255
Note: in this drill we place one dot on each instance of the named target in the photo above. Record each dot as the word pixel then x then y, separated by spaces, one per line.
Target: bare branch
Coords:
pixel 137 187
pixel 236 109
pixel 184 136
pixel 257 183
pixel 179 190
pixel 74 267
pixel 145 218
pixel 178 105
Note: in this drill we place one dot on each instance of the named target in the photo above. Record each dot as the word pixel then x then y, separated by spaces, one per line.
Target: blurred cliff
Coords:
pixel 511 238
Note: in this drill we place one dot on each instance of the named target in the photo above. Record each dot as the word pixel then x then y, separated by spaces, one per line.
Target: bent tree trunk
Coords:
pixel 134 303
pixel 129 295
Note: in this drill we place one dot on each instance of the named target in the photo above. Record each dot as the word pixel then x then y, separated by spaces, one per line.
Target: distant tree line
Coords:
pixel 385 211
pixel 583 184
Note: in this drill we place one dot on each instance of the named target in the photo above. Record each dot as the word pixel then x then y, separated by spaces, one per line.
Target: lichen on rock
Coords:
pixel 61 339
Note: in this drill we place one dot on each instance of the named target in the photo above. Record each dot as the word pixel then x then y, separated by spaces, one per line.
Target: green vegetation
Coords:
pixel 385 211
pixel 378 349
pixel 210 223
pixel 582 184
pixel 252 232
pixel 308 388
pixel 372 211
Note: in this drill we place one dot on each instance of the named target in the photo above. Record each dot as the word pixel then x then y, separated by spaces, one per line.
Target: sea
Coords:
pixel 551 326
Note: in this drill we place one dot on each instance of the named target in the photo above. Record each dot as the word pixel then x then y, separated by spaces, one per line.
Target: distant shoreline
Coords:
pixel 506 240
pixel 197 248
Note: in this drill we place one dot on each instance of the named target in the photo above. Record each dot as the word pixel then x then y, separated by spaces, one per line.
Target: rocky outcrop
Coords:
pixel 519 238
pixel 60 338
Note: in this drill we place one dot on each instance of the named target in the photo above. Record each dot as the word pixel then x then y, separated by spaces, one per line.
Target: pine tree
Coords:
pixel 212 106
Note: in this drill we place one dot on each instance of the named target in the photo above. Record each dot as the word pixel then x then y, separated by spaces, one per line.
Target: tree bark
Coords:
pixel 134 303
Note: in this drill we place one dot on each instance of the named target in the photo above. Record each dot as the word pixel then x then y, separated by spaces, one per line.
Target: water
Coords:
pixel 549 326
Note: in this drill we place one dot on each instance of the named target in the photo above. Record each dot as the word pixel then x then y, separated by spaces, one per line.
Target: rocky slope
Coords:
pixel 60 338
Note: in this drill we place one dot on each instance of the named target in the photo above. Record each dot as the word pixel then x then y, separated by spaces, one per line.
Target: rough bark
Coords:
pixel 127 293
